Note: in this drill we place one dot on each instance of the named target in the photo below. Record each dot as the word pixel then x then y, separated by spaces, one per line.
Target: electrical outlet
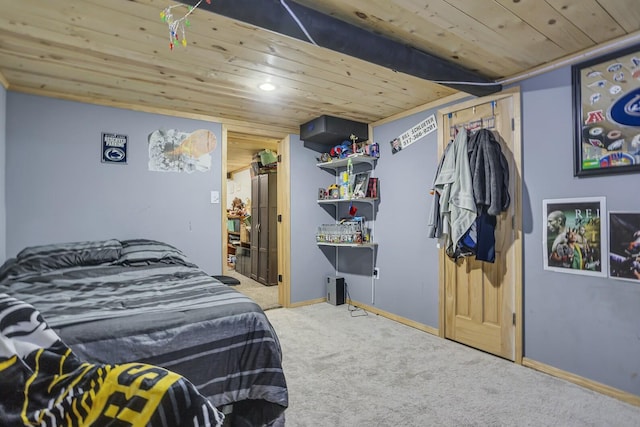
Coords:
pixel 376 273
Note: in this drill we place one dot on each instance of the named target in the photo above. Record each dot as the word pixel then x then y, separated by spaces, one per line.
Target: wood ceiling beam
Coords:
pixel 340 36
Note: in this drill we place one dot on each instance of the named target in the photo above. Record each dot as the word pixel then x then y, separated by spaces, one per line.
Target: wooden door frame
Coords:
pixel 284 225
pixel 223 198
pixel 516 198
pixel 284 209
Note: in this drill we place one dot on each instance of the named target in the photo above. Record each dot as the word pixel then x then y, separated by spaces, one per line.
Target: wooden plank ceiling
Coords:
pixel 117 53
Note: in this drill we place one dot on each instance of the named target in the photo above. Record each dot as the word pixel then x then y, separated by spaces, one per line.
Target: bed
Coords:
pixel 43 383
pixel 125 301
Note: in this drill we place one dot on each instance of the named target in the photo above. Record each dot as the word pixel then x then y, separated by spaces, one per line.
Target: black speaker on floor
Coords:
pixel 335 290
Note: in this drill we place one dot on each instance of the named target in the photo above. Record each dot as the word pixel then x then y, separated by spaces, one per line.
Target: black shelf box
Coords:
pixel 333 130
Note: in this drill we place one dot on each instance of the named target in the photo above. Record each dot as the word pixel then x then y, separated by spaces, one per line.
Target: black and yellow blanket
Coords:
pixel 43 383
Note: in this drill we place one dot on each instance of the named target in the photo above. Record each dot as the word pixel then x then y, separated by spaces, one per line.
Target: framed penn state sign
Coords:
pixel 114 148
pixel 606 109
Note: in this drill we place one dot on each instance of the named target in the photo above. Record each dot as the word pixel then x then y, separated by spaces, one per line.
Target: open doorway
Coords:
pixel 250 245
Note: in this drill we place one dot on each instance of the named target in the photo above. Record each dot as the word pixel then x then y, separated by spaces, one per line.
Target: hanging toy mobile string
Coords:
pixel 178 25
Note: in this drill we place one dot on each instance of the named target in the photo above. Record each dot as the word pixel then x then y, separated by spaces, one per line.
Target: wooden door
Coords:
pixel 481 306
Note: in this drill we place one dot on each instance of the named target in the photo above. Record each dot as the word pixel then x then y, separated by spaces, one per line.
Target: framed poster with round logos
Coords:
pixel 606 109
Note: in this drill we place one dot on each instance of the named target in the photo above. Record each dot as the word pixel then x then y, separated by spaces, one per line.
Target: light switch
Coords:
pixel 215 196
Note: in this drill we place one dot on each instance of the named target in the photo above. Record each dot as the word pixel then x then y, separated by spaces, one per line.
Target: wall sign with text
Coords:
pixel 423 128
pixel 114 148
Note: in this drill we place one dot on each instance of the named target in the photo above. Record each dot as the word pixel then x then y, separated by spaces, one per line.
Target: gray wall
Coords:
pixel 58 190
pixel 407 258
pixel 3 211
pixel 586 325
pixel 309 265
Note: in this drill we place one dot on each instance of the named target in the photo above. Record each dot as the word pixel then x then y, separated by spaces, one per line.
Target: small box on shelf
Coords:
pixel 373 187
pixel 347 232
pixel 244 233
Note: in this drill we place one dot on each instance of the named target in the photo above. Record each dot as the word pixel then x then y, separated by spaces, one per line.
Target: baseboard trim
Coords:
pixel 374 310
pixel 399 319
pixel 583 382
pixel 308 302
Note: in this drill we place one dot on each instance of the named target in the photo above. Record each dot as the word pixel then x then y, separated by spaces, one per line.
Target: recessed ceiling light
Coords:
pixel 267 87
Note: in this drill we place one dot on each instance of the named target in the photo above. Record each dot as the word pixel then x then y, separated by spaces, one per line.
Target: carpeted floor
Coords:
pixel 265 296
pixel 371 371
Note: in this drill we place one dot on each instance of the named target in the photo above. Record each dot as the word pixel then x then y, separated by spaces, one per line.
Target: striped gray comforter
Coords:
pixel 164 311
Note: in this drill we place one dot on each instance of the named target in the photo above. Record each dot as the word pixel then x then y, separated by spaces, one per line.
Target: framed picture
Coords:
pixel 574 237
pixel 624 246
pixel 606 109
pixel 114 148
pixel 360 185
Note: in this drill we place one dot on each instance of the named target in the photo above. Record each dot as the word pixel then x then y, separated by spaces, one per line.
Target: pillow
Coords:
pixel 7 268
pixel 145 252
pixel 44 258
pixel 74 253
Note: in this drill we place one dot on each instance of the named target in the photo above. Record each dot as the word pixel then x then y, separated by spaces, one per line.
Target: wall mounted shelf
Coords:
pixel 359 200
pixel 350 245
pixel 341 163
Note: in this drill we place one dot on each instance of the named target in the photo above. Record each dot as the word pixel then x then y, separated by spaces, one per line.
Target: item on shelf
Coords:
pixel 348 232
pixel 372 189
pixel 233 224
pixel 245 230
pixel 374 150
pixel 341 151
pixel 360 185
pixel 348 149
pixel 333 191
pixel 268 157
pixel 237 208
pixel 258 165
pixel 324 157
pixel 345 184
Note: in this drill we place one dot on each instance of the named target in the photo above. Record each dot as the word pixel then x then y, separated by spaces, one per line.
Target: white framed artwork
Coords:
pixel 574 237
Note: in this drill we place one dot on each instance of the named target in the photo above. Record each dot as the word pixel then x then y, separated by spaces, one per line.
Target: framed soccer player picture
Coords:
pixel 574 236
pixel 606 109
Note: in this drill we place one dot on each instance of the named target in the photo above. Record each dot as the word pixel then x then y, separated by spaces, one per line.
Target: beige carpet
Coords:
pixel 370 371
pixel 265 296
